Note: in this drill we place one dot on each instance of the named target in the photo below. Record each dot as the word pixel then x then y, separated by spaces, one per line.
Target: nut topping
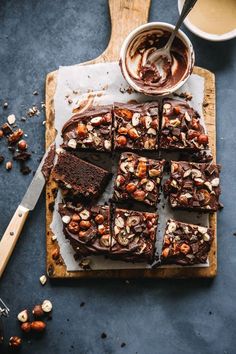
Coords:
pixel 72 143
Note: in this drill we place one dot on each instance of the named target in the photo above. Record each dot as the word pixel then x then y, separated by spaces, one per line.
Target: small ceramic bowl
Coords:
pixel 205 35
pixel 155 26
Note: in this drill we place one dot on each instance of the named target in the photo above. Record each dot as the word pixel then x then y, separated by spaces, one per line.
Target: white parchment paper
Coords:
pixel 78 87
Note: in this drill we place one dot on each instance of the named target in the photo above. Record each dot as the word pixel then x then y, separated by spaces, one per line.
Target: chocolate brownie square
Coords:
pixel 181 127
pixel 88 229
pixel 194 186
pixel 138 178
pixel 185 244
pixel 133 236
pixel 91 130
pixel 136 126
pixel 79 179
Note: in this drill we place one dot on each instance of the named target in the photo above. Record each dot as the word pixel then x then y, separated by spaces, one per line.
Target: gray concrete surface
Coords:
pixel 150 316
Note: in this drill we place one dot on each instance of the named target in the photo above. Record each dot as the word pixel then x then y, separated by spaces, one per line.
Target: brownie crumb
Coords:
pixel 210 313
pixel 82 304
pixel 103 335
pixel 1 158
pixel 25 170
pixel 234 234
pixel 123 345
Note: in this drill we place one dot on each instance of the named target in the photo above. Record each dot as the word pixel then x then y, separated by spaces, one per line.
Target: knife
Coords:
pixel 16 224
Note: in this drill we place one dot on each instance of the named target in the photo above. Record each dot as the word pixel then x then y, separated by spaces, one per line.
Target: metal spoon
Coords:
pixel 163 53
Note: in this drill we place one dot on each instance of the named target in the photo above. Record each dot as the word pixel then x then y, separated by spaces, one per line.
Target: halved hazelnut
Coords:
pixel 84 214
pixel 122 239
pixel 105 240
pixel 135 119
pixel 133 220
pixel 119 221
pixel 149 186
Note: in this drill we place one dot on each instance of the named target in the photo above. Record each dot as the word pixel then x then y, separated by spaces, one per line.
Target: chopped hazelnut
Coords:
pixel 15 342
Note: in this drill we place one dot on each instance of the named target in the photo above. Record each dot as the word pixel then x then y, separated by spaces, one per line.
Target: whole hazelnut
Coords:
pixel 23 316
pixel 123 130
pixel 38 326
pixel 121 140
pixel 15 342
pixel 22 145
pixel 139 195
pixel 1 133
pixel 203 139
pixel 47 306
pixel 131 187
pixel 85 224
pixel 133 133
pixel 26 327
pixel 37 311
pixel 99 219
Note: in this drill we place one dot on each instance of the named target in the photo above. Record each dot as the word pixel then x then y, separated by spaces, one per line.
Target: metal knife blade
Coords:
pixel 36 186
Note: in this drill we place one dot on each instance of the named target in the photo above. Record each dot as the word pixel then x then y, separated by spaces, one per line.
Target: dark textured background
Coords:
pixel 167 317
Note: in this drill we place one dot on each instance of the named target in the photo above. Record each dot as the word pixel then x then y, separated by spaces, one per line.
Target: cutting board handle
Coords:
pixel 125 16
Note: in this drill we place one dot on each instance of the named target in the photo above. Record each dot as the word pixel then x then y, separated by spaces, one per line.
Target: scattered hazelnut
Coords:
pixel 15 136
pixel 23 316
pixel 43 279
pixel 22 145
pixel 8 165
pixel 11 119
pixel 38 326
pixel 37 311
pixel 47 306
pixel 15 342
pixel 26 327
pixel 1 133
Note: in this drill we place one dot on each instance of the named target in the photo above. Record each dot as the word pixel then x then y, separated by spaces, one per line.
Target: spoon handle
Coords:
pixel 187 7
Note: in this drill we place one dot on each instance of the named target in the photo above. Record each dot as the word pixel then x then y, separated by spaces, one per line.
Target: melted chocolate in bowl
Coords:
pixel 148 77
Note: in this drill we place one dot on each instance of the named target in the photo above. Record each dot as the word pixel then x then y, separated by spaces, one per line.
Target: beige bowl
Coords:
pixel 209 36
pixel 135 35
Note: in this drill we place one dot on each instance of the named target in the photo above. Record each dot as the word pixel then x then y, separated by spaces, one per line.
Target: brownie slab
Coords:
pixel 181 127
pixel 194 186
pixel 185 244
pixel 136 126
pixel 138 178
pixel 88 229
pixel 133 236
pixel 91 130
pixel 78 178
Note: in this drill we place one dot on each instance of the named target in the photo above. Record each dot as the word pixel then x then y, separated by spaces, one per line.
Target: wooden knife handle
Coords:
pixel 11 236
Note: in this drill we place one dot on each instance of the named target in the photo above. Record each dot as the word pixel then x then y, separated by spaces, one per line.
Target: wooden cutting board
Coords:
pixel 125 16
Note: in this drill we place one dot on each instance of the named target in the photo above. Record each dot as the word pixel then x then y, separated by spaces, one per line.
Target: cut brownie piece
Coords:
pixel 181 127
pixel 194 186
pixel 88 229
pixel 136 126
pixel 138 178
pixel 134 235
pixel 90 130
pixel 78 178
pixel 185 244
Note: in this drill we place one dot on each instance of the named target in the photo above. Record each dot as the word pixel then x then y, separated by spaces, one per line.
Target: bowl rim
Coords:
pixel 155 25
pixel 205 35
